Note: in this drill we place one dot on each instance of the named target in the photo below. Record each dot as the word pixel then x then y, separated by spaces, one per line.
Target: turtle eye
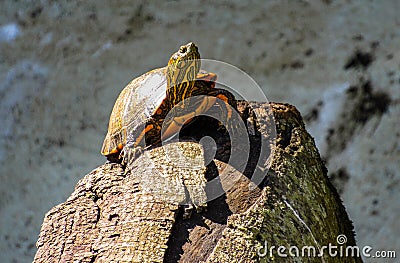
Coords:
pixel 183 49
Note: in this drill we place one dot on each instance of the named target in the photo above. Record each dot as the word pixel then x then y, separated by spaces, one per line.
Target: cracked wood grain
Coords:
pixel 119 214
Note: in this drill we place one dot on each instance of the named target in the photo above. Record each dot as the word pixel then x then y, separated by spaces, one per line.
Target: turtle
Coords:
pixel 139 116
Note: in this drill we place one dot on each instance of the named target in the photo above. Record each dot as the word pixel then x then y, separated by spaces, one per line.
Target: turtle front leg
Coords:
pixel 217 103
pixel 226 107
pixel 139 141
pixel 130 154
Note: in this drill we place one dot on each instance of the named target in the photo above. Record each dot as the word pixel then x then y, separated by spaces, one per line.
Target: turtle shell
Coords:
pixel 139 113
pixel 137 102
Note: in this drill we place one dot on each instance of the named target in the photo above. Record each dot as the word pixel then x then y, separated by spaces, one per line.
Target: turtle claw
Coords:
pixel 230 125
pixel 129 155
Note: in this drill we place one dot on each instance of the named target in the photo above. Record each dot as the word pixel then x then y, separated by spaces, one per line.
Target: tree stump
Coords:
pixel 283 197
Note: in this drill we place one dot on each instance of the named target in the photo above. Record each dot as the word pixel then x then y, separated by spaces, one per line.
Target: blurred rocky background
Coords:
pixel 63 63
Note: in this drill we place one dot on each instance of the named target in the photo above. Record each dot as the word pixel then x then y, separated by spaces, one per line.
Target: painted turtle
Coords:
pixel 142 107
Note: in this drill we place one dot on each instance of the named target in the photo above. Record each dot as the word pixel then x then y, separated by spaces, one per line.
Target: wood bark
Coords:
pixel 137 213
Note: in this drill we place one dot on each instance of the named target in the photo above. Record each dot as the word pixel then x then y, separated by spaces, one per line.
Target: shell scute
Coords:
pixel 139 100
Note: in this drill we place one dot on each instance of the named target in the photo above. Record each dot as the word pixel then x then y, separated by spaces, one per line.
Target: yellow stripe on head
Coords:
pixel 183 65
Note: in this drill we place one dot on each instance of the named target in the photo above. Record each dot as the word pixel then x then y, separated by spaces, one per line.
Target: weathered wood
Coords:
pixel 125 217
pixel 134 215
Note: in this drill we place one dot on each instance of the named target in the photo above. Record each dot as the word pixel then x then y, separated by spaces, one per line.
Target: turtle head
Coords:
pixel 183 65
